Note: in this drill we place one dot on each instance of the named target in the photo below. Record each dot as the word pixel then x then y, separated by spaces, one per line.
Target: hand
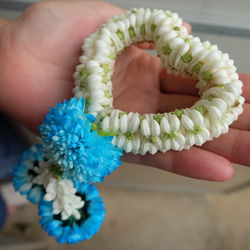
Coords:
pixel 41 50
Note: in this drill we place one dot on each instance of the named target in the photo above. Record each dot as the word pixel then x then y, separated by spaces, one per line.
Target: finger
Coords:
pixel 4 22
pixel 195 163
pixel 188 26
pixel 170 83
pixel 245 78
pixel 235 146
pixel 145 45
pixel 170 102
pixel 243 122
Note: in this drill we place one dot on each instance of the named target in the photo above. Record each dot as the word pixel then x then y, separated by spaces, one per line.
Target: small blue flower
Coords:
pixel 84 156
pixel 25 173
pixel 71 230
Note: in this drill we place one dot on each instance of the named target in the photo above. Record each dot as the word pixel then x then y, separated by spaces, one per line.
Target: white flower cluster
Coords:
pixel 42 173
pixel 220 88
pixel 65 200
pixel 60 191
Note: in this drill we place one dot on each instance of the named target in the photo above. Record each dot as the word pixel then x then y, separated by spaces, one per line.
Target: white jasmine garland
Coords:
pixel 219 86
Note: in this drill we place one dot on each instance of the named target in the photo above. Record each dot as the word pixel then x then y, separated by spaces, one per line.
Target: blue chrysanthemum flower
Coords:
pixel 84 156
pixel 72 230
pixel 30 173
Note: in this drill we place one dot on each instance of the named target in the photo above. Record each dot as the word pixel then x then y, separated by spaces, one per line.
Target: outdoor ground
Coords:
pixel 144 215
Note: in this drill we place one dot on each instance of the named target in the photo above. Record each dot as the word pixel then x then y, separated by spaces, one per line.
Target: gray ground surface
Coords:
pixel 146 220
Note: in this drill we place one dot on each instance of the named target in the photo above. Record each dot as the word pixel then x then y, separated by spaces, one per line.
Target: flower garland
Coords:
pixel 56 174
pixel 220 88
pixel 81 145
pixel 70 211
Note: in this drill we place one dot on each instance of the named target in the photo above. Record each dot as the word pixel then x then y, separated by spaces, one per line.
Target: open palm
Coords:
pixel 40 50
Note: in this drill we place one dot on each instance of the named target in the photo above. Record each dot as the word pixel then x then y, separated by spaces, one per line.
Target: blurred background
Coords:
pixel 148 208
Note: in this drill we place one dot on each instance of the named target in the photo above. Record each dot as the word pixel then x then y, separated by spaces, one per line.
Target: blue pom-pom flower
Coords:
pixel 73 230
pixel 30 174
pixel 83 155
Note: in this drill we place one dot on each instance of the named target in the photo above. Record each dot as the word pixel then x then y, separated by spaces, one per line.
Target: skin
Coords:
pixel 39 52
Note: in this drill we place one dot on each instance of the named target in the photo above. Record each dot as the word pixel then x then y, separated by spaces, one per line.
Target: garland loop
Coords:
pixel 218 83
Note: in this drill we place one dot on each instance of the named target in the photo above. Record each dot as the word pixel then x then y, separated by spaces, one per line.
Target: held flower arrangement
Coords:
pixel 82 139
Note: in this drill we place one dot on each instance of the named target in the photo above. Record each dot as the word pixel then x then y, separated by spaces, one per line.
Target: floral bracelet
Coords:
pixel 82 144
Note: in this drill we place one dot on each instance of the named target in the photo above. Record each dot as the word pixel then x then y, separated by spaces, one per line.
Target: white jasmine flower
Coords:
pixel 65 200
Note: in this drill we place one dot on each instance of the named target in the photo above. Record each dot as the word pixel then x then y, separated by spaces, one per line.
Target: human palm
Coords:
pixel 41 50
